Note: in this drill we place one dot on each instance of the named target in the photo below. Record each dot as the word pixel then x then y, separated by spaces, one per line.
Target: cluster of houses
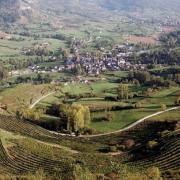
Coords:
pixel 73 80
pixel 115 60
pixel 54 69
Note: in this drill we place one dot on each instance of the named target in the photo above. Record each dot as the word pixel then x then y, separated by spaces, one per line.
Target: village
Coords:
pixel 118 59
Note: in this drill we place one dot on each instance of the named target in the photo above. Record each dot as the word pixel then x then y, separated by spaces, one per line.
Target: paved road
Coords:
pixel 134 124
pixel 114 132
pixel 40 99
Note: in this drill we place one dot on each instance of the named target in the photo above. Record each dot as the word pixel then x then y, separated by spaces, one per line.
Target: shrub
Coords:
pixel 177 102
pixel 121 147
pixel 109 116
pixel 110 98
pixel 154 173
pixel 164 133
pixel 87 131
pixel 152 144
pixel 129 143
pixel 80 173
pixel 113 143
pixel 111 175
pixel 113 149
pixel 163 107
pixel 177 126
pixel 104 149
pixel 138 105
pixel 39 175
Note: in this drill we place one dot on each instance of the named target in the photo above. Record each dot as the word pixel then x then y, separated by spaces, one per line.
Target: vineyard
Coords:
pixel 12 124
pixel 36 148
pixel 15 160
pixel 89 90
pixel 167 157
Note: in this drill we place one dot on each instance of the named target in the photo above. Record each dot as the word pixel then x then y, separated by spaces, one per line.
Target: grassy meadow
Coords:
pixel 23 94
pixel 120 118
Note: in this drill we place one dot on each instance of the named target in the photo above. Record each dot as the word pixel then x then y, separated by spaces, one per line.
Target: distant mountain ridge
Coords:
pixel 9 10
pixel 130 5
pixel 12 10
pixel 127 5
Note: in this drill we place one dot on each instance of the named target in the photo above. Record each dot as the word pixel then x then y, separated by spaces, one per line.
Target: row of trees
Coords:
pixel 168 53
pixel 151 79
pixel 123 91
pixel 177 101
pixel 160 56
pixel 3 73
pixel 76 116
pixel 29 114
pixel 38 79
pixel 16 63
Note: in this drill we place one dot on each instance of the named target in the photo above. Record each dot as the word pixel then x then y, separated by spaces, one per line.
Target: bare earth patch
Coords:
pixel 152 40
pixel 2 35
pixel 144 39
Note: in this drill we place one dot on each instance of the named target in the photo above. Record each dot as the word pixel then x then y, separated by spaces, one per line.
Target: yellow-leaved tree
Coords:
pixel 77 116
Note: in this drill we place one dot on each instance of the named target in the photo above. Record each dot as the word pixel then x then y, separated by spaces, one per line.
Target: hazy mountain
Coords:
pixel 11 10
pixel 127 5
pixel 133 5
pixel 151 8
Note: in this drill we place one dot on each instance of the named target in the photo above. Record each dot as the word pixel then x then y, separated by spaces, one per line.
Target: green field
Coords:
pixel 121 118
pixel 9 48
pixel 22 95
pixel 168 116
pixel 100 88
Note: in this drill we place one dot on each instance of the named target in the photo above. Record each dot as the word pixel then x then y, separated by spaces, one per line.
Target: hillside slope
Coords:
pixel 11 10
pixel 15 10
pixel 29 148
pixel 132 5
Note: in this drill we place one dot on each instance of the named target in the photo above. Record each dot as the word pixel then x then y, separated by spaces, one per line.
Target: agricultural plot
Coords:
pixel 89 90
pixel 167 158
pixel 24 94
pixel 23 155
pixel 17 161
pixel 28 42
pixel 119 118
pixel 168 116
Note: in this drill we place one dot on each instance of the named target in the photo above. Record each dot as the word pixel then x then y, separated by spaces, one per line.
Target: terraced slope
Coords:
pixel 166 157
pixel 17 161
pixel 27 129
pixel 12 124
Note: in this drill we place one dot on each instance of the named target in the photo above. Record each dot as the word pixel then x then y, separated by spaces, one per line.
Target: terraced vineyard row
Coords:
pixel 12 124
pixel 167 159
pixel 17 161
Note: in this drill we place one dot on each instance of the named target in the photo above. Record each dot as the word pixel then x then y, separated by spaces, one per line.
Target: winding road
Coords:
pixel 135 123
pixel 110 133
pixel 40 99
